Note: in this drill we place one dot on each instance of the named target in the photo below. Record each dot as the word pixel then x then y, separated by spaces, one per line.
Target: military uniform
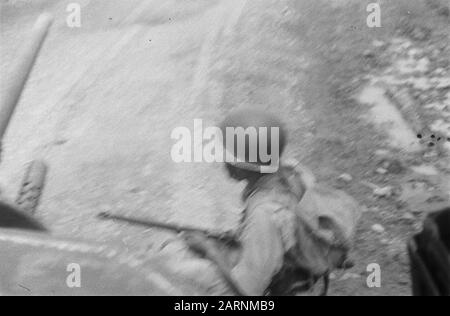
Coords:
pixel 283 252
pixel 268 231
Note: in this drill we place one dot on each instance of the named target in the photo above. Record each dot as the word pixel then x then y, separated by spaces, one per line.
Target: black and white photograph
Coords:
pixel 224 153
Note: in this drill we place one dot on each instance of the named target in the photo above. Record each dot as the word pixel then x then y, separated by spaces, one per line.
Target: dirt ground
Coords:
pixel 103 100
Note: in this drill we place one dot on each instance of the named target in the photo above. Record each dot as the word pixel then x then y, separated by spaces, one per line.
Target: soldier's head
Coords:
pixel 253 141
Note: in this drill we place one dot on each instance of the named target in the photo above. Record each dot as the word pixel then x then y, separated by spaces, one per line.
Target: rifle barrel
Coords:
pixel 168 226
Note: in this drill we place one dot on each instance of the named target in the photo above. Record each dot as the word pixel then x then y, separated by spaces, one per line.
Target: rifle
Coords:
pixel 226 237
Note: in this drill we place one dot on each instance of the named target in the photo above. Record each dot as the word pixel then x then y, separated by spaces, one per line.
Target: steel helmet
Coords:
pixel 253 140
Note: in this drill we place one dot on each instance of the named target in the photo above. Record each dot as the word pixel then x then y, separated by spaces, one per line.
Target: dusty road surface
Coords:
pixel 104 98
pixel 102 104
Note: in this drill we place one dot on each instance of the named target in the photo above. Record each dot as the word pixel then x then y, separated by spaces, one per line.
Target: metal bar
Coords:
pixel 12 87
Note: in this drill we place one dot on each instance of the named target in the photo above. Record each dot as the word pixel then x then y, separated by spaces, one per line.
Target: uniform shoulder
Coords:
pixel 302 171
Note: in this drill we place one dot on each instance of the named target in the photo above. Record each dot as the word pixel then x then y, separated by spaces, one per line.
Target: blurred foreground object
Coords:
pixel 429 253
pixel 11 90
pixel 35 263
pixel 10 217
pixel 31 187
pixel 32 261
pixel 20 71
pixel 39 264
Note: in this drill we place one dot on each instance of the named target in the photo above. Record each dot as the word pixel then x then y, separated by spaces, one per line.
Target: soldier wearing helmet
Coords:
pixel 283 248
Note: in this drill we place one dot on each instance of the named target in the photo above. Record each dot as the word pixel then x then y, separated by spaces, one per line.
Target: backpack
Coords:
pixel 330 216
pixel 325 223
